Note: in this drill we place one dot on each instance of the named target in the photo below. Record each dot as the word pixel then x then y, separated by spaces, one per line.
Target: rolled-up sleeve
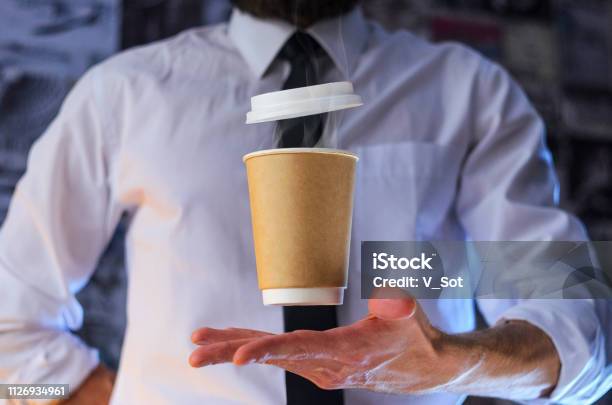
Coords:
pixel 59 221
pixel 508 192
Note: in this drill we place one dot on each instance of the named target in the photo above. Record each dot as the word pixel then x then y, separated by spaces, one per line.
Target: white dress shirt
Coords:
pixel 449 148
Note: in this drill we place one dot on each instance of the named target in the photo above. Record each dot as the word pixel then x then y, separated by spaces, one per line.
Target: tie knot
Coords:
pixel 301 46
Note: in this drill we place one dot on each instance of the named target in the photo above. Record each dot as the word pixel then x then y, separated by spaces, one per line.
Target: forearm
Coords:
pixel 513 359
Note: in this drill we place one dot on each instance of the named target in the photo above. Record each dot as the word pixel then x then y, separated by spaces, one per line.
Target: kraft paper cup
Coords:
pixel 301 208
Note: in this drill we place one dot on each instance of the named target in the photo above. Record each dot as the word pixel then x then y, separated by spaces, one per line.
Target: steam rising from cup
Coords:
pixel 329 138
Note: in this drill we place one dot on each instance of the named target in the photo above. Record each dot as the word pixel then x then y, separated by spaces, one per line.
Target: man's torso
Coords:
pixel 179 109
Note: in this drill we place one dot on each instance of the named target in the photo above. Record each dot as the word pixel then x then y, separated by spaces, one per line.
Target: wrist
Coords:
pixel 463 357
pixel 513 360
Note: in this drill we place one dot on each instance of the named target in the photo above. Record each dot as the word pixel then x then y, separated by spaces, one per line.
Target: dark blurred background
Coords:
pixel 560 51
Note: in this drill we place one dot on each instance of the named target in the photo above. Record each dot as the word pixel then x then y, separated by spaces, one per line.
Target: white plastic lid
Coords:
pixel 292 103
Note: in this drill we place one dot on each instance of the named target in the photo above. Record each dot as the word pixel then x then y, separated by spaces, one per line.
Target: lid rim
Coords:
pixel 315 87
pixel 302 101
pixel 254 117
pixel 281 151
pixel 297 103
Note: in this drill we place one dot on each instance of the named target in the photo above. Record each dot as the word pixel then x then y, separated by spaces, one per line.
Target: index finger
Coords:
pixel 209 335
pixel 298 345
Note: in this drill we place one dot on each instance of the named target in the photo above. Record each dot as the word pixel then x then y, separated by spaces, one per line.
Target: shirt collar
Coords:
pixel 259 40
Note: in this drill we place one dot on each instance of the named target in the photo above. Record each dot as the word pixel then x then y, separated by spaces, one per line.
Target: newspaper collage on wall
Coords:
pixel 44 47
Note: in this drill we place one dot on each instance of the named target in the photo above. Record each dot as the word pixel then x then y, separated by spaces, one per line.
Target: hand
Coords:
pixel 95 390
pixel 395 349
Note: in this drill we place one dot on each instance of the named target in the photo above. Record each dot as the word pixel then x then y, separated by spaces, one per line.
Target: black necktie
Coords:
pixel 306 57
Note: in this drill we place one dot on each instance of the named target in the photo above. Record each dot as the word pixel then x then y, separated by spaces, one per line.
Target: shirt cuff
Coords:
pixel 62 359
pixel 575 331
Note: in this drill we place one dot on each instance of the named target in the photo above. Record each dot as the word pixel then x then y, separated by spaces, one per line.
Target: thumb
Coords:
pixel 392 308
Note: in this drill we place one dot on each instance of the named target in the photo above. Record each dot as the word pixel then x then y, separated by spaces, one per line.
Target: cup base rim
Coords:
pixel 303 296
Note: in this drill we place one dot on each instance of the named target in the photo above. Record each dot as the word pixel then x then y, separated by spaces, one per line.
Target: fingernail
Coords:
pixel 243 361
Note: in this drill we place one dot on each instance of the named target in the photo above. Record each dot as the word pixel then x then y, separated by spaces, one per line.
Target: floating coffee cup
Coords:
pixel 301 203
